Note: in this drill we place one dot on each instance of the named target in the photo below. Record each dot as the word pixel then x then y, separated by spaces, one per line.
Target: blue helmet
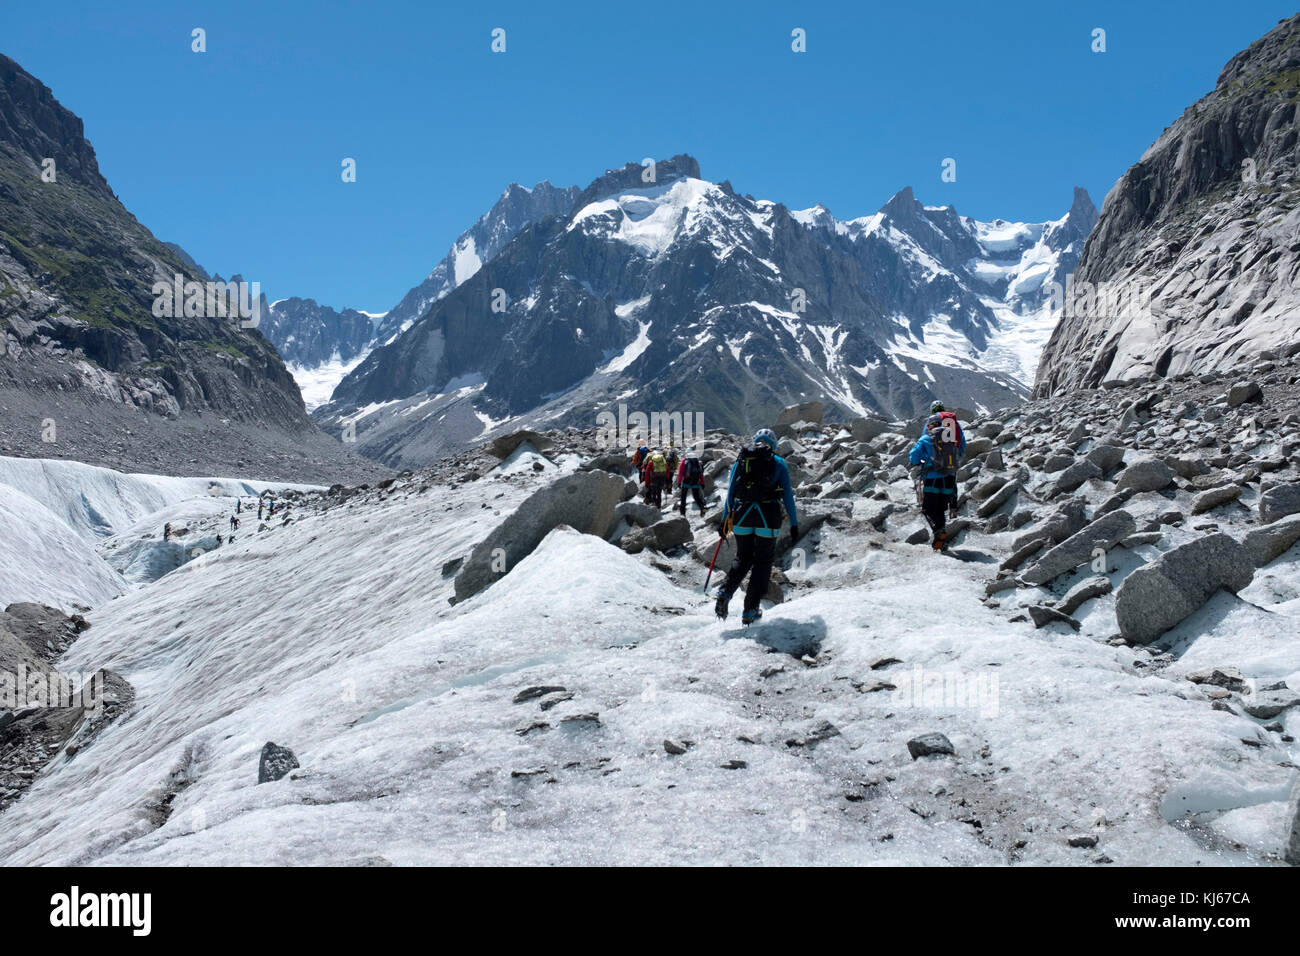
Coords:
pixel 767 437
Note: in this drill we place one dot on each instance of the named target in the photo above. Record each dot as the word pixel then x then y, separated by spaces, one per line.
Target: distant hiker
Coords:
pixel 760 483
pixel 659 479
pixel 239 505
pixel 639 458
pixel 690 477
pixel 260 506
pixel 234 522
pixel 167 531
pixel 935 459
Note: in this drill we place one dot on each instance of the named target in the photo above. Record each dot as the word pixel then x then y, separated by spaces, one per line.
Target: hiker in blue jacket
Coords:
pixel 760 482
pixel 935 458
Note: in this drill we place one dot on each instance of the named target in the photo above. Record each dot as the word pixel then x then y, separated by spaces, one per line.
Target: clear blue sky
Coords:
pixel 235 153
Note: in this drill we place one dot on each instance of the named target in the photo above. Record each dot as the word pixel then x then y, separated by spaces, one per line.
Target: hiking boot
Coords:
pixel 720 608
pixel 940 542
pixel 750 615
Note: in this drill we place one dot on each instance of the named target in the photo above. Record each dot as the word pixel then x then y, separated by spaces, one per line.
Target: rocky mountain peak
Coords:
pixel 36 126
pixel 629 176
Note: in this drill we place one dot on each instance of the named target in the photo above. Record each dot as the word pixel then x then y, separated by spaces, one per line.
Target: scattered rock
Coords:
pixel 1085 590
pixel 1266 544
pixel 533 693
pixel 1103 533
pixel 674 748
pixel 1244 392
pixel 276 761
pixel 1207 500
pixel 928 745
pixel 1157 596
pixel 1279 501
pixel 1147 474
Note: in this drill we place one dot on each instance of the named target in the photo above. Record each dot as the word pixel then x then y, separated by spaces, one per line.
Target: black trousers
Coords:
pixel 935 504
pixel 753 557
pixel 696 490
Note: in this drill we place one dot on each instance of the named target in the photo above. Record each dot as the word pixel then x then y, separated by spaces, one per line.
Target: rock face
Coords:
pixel 307 334
pixel 84 334
pixel 584 501
pixel 1193 264
pixel 1159 595
pixel 596 301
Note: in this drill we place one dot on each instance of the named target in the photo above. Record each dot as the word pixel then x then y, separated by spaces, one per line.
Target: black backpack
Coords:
pixel 755 474
pixel 694 470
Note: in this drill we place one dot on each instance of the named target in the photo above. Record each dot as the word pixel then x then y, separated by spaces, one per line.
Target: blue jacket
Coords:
pixel 754 520
pixel 923 454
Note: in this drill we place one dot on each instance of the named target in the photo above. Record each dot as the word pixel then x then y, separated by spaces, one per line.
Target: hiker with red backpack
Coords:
pixel 690 477
pixel 760 484
pixel 935 458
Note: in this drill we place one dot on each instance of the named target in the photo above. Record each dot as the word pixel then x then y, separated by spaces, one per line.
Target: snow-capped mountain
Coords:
pixel 680 294
pixel 517 207
pixel 1195 263
pixel 321 345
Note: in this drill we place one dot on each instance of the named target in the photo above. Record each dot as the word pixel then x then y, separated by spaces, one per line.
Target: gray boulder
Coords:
pixel 637 513
pixel 615 461
pixel 1265 544
pixel 275 763
pixel 1279 501
pixel 1106 457
pixel 584 500
pixel 929 745
pixel 1267 704
pixel 1104 532
pixel 1157 596
pixel 865 429
pixel 661 536
pixel 998 499
pixel 1243 392
pixel 1208 500
pixel 1074 476
pixel 1147 474
pixel 504 446
pixel 1085 590
pixel 792 415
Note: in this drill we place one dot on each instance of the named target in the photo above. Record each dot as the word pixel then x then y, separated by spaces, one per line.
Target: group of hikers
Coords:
pixel 760 497
pixel 658 470
pixel 266 506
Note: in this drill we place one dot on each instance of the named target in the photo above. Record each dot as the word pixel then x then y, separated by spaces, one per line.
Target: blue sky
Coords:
pixel 235 153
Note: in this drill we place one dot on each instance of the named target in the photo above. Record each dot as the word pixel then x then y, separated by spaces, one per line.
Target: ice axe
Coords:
pixel 721 538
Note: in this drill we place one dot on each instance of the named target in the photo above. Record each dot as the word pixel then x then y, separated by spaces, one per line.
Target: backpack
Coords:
pixel 636 459
pixel 671 458
pixel 658 463
pixel 947 451
pixel 755 474
pixel 694 472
